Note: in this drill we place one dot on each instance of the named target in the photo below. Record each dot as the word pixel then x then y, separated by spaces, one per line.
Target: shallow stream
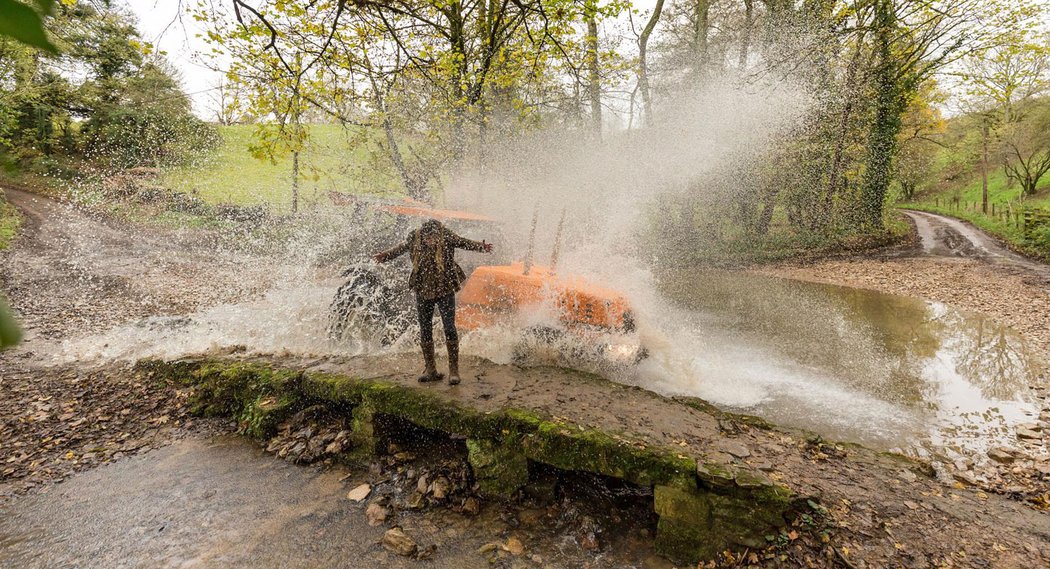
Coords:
pixel 888 371
pixel 851 364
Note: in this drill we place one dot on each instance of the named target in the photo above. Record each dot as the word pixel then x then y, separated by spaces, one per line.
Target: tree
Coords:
pixel 997 79
pixel 1026 149
pixel 643 60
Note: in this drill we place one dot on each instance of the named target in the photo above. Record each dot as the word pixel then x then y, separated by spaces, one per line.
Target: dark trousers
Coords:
pixel 446 306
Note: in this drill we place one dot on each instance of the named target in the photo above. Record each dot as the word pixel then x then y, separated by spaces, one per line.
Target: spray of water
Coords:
pixel 740 351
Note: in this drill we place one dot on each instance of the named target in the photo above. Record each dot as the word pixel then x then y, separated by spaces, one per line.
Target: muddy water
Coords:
pixel 848 363
pixel 223 502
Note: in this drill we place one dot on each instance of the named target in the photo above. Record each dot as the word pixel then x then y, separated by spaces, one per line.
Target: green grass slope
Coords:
pixel 333 160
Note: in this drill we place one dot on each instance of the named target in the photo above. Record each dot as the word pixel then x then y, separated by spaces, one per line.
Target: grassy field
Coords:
pixel 10 219
pixel 230 174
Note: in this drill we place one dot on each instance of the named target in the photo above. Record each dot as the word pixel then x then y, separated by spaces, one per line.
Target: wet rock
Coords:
pixel 587 540
pixel 488 548
pixel 376 514
pixel 422 484
pixel 764 465
pixel 1001 455
pixel 359 493
pixel 396 541
pixel 736 449
pixel 656 562
pixel 416 501
pixel 471 506
pixel 587 535
pixel 1028 434
pixel 532 517
pixel 514 546
pixel 966 477
pixel 440 488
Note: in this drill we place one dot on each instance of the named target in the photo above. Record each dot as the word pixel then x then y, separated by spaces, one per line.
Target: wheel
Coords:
pixel 535 339
pixel 370 306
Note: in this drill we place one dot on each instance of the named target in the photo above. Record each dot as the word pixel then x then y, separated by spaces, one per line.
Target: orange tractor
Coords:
pixel 375 300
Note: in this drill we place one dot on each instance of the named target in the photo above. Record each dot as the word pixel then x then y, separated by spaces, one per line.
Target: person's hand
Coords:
pixel 486 246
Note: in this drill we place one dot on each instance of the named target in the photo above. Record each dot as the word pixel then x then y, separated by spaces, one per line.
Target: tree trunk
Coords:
pixel 745 35
pixel 594 87
pixel 843 134
pixel 295 181
pixel 643 63
pixel 984 166
pixel 458 43
pixel 700 31
pixel 411 186
pixel 886 124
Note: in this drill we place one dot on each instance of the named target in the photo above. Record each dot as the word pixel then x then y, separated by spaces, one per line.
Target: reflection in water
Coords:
pixel 895 371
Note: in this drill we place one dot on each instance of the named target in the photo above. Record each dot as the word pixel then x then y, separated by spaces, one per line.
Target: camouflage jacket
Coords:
pixel 434 270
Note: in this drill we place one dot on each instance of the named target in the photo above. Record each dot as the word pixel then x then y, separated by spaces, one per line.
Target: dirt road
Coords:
pixel 71 273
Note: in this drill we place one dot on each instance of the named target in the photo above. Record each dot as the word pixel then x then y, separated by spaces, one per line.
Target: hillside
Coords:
pixel 333 161
pixel 954 185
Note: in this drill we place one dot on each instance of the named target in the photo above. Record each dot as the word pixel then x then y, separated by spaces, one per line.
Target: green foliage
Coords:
pixel 25 24
pixel 121 108
pixel 1040 239
pixel 9 222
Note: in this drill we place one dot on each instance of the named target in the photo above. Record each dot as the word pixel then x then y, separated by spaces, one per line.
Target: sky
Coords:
pixel 165 24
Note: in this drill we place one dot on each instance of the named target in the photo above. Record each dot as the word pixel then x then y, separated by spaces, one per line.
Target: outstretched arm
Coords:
pixel 464 243
pixel 391 254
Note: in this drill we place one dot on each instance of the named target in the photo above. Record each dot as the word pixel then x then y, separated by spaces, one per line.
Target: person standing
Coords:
pixel 435 279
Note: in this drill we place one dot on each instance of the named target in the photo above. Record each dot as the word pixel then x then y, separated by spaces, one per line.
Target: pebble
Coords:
pixel 376 514
pixel 471 506
pixel 395 540
pixel 514 546
pixel 439 488
pixel 1001 454
pixel 359 493
pixel 1028 434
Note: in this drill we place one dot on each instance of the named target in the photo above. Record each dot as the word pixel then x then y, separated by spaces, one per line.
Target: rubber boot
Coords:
pixel 453 362
pixel 430 373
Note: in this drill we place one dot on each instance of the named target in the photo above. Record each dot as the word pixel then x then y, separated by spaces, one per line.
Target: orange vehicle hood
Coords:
pixel 431 213
pixel 494 291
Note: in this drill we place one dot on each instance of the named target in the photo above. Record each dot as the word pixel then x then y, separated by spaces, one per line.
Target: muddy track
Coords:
pixel 943 236
pixel 71 272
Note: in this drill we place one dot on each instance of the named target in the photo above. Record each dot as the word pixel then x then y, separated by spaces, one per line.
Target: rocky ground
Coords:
pixel 73 273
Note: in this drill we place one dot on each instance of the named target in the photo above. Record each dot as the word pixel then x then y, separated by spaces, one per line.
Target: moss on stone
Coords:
pixel 697 524
pixel 704 508
pixel 590 450
pixel 500 467
pixel 261 417
pixel 364 440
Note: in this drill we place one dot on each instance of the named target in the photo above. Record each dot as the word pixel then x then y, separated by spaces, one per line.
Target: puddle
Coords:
pixel 848 363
